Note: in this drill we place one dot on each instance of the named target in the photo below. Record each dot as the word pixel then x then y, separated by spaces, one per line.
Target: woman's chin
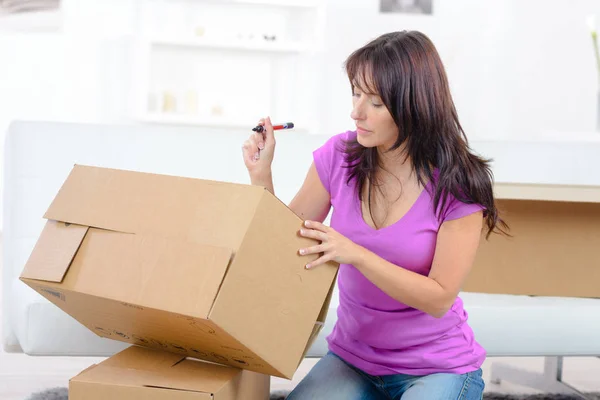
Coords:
pixel 366 140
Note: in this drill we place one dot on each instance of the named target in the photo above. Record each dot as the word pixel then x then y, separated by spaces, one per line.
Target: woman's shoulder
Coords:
pixel 452 205
pixel 329 158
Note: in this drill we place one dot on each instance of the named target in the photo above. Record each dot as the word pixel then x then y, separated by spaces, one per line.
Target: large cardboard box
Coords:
pixel 202 268
pixel 554 248
pixel 148 374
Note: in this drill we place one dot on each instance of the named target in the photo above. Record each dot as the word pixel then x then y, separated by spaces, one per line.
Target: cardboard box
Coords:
pixel 554 246
pixel 143 373
pixel 202 268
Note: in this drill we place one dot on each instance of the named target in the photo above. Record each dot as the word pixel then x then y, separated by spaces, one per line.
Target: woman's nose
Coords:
pixel 357 112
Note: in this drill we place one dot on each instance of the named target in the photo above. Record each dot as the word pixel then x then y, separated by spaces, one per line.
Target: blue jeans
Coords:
pixel 334 379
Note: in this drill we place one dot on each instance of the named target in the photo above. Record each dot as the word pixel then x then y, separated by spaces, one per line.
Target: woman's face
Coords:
pixel 375 126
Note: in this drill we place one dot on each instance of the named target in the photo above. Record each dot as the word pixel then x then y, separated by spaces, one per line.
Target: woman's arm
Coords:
pixel 312 202
pixel 434 294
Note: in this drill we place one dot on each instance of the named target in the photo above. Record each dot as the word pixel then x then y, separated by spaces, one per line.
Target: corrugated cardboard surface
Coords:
pixel 201 211
pixel 173 263
pixel 139 372
pixel 150 271
pixel 97 391
pixel 54 251
pixel 149 327
pixel 287 293
pixel 554 251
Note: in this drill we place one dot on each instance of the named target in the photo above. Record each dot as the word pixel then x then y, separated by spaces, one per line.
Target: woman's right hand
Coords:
pixel 258 151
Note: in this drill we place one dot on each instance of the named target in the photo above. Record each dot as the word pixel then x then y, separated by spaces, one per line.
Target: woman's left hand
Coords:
pixel 334 246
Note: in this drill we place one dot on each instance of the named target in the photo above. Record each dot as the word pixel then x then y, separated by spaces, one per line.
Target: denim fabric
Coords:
pixel 334 379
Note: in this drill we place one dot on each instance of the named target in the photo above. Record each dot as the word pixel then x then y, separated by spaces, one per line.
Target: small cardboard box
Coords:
pixel 201 268
pixel 554 245
pixel 143 373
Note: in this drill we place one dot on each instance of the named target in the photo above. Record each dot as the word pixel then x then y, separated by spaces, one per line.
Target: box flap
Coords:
pixel 209 212
pixel 137 357
pixel 155 272
pixel 193 375
pixel 54 251
pixel 144 378
pixel 98 391
pixel 139 366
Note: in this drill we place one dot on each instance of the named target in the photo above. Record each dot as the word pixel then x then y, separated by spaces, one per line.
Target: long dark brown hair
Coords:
pixel 405 70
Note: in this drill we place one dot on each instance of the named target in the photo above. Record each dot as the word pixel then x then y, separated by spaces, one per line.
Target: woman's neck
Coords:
pixel 396 162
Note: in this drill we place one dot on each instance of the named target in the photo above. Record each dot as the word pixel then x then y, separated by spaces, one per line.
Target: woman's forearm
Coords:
pixel 410 288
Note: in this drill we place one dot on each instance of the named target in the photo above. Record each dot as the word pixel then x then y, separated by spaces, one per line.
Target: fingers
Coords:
pixel 262 122
pixel 314 234
pixel 251 150
pixel 259 140
pixel 319 261
pixel 268 132
pixel 317 225
pixel 313 250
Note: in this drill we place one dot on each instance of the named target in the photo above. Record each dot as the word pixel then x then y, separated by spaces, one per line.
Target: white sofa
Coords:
pixel 39 155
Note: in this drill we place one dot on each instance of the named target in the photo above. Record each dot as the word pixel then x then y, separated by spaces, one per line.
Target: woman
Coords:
pixel 409 204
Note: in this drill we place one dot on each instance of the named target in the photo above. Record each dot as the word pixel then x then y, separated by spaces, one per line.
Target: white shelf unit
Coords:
pixel 227 63
pixel 229 45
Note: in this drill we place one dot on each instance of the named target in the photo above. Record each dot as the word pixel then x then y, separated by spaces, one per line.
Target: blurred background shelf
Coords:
pixel 228 45
pixel 247 58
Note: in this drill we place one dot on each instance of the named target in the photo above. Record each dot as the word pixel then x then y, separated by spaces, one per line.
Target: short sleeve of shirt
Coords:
pixel 328 159
pixel 457 209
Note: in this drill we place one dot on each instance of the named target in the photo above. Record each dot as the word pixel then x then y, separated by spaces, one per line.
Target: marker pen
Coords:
pixel 287 125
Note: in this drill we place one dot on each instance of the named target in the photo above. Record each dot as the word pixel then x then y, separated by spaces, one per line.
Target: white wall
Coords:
pixel 75 74
pixel 516 67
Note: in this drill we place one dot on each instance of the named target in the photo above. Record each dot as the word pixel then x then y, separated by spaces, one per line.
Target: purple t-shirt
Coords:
pixel 375 332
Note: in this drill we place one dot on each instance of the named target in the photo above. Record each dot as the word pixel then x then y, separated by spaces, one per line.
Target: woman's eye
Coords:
pixel 377 105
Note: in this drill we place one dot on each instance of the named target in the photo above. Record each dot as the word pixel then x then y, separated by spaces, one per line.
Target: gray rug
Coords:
pixel 61 394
